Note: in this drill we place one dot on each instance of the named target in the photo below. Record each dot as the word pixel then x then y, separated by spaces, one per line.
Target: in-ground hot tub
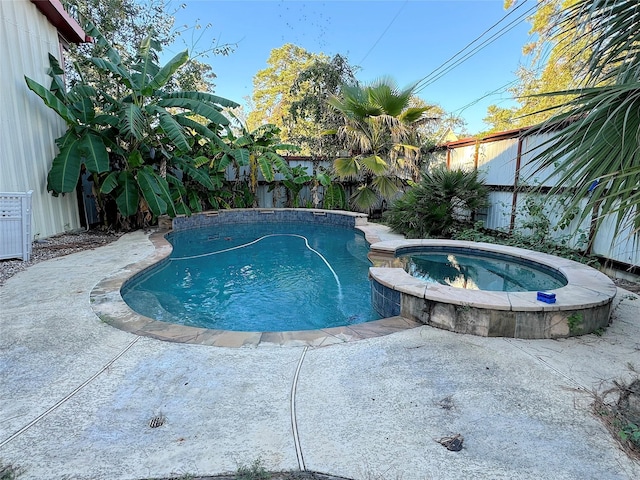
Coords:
pixel 508 309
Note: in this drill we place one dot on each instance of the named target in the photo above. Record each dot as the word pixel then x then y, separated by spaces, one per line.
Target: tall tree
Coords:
pixel 272 95
pixel 555 65
pixel 594 148
pixel 312 89
pixel 380 127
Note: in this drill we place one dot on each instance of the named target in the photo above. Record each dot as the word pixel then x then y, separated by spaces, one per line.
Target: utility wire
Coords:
pixel 385 31
pixel 447 66
pixel 472 42
pixel 467 56
pixel 488 94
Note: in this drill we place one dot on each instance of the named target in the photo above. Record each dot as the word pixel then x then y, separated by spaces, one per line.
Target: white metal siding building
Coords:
pixel 28 128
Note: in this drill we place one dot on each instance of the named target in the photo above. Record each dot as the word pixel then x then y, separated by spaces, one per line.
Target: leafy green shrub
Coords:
pixel 440 204
pixel 478 233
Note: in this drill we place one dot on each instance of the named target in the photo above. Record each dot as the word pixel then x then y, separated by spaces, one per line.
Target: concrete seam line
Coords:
pixel 60 402
pixel 294 421
pixel 549 366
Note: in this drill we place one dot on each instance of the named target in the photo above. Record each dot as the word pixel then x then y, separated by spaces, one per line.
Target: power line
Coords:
pixel 385 31
pixel 472 42
pixel 447 66
pixel 488 94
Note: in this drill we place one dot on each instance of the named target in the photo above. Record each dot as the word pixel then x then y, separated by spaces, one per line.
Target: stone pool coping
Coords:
pixel 586 287
pixel 108 305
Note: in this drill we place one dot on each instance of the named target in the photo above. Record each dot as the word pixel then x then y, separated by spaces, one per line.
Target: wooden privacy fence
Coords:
pixel 15 225
pixel 506 160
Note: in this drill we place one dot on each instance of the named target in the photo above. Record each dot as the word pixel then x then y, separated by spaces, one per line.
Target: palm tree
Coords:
pixel 597 146
pixel 380 128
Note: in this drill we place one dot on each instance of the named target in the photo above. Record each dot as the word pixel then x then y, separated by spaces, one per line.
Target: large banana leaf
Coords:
pixel 105 120
pixel 171 128
pixel 65 169
pixel 244 140
pixel 278 162
pixel 266 167
pixel 203 97
pixel 165 193
pixel 151 191
pixel 112 53
pixel 199 175
pixel 51 101
pixel 195 106
pixel 146 67
pixel 165 73
pixel 198 127
pixel 128 196
pixel 117 70
pixel 132 121
pixel 335 197
pixel 96 157
pixel 241 155
pixel 84 110
pixel 225 161
pixel 109 183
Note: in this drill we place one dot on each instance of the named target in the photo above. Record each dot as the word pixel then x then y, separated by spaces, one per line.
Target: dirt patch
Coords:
pixel 57 246
pixel 633 287
pixel 619 410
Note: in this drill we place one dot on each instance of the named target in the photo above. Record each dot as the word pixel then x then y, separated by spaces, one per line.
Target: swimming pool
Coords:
pixel 268 276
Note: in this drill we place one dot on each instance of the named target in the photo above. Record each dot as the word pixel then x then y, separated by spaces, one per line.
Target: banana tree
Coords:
pixel 136 147
pixel 257 150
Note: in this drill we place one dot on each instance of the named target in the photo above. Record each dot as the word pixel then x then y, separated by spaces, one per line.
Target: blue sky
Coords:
pixel 406 39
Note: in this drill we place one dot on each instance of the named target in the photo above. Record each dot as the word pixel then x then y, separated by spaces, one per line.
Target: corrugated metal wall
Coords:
pixel 28 128
pixel 498 161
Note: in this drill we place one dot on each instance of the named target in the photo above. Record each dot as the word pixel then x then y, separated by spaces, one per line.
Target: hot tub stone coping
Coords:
pixel 586 287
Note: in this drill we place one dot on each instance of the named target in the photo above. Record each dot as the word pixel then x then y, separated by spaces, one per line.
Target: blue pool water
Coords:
pixel 481 271
pixel 259 277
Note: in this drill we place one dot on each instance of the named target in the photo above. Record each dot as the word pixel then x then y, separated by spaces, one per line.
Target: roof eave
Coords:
pixel 66 25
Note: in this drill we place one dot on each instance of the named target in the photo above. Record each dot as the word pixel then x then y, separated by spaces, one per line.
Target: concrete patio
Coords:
pixel 77 395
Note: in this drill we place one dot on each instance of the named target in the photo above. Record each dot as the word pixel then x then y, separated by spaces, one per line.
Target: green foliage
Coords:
pixel 594 138
pixel 574 321
pixel 129 143
pixel 380 127
pixel 310 118
pixel 478 233
pixel 255 471
pixel 124 24
pixel 272 90
pixel 439 204
pixel 258 150
pixel 556 60
pixel 9 472
pixel 335 198
pixel 630 432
